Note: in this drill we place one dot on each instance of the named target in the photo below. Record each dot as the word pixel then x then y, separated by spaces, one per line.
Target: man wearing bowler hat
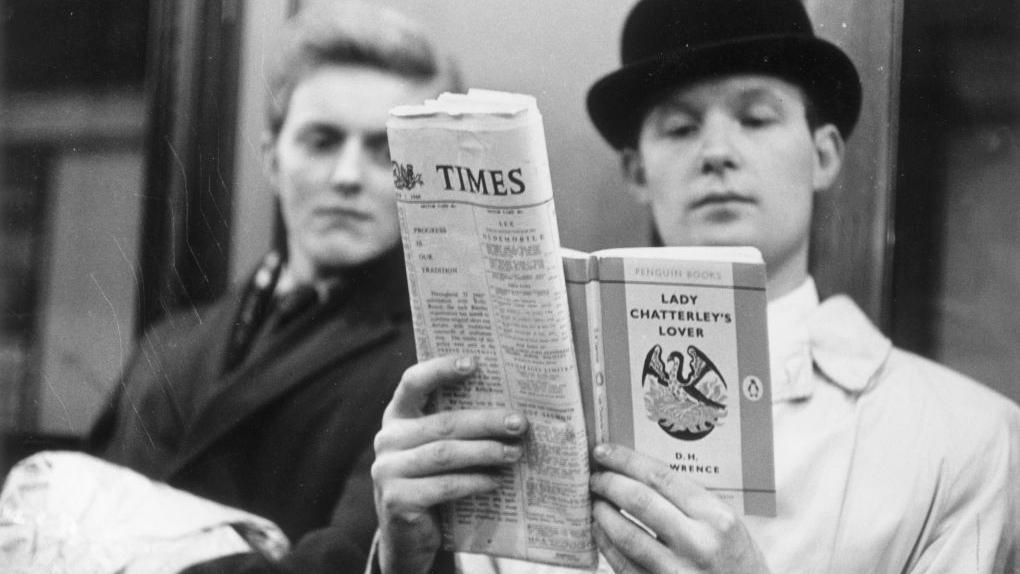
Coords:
pixel 729 116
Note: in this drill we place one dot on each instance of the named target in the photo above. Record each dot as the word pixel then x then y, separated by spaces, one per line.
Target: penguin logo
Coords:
pixel 753 389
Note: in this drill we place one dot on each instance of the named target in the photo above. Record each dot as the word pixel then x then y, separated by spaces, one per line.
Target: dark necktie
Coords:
pixel 263 313
pixel 289 307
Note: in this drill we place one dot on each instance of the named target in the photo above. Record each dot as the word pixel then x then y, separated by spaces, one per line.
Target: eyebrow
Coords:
pixel 758 94
pixel 745 96
pixel 321 127
pixel 672 106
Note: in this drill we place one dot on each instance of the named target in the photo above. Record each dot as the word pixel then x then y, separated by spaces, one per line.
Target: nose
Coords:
pixel 718 154
pixel 347 172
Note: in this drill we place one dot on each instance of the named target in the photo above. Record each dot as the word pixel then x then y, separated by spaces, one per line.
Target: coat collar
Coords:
pixel 834 338
pixel 846 346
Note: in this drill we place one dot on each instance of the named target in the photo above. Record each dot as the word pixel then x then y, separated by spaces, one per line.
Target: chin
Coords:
pixel 340 250
pixel 715 237
pixel 347 258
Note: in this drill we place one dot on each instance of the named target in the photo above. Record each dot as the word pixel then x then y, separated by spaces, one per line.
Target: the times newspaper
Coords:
pixel 485 276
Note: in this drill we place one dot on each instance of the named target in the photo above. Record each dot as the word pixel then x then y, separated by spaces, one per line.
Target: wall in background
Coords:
pixel 253 198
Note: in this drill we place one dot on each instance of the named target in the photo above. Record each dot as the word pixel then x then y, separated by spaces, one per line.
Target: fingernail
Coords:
pixel 602 451
pixel 464 364
pixel 514 422
pixel 512 452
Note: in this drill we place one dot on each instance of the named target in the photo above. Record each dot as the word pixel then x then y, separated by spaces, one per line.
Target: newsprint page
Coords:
pixel 485 276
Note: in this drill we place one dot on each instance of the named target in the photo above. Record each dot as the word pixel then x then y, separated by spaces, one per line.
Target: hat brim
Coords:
pixel 618 102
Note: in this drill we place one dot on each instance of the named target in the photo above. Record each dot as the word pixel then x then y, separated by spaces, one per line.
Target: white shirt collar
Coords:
pixel 789 340
pixel 788 316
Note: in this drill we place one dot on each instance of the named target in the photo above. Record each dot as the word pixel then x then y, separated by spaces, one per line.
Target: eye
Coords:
pixel 758 116
pixel 678 126
pixel 320 140
pixel 682 131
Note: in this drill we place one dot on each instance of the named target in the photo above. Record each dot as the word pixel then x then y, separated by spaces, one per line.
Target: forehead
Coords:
pixel 353 96
pixel 730 91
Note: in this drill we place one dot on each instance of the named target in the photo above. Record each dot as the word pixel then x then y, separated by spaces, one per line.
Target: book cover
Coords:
pixel 673 355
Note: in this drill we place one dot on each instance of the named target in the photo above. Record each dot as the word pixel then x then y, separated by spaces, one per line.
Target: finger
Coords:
pixel 446 457
pixel 399 434
pixel 619 563
pixel 638 549
pixel 672 526
pixel 683 493
pixel 420 380
pixel 407 499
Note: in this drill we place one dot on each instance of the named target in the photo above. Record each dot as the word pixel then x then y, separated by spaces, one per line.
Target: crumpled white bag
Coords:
pixel 66 512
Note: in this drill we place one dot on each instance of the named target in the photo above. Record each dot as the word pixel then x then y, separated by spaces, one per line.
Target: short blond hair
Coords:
pixel 331 32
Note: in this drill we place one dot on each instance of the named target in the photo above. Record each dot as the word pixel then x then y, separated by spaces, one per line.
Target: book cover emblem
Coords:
pixel 404 176
pixel 688 401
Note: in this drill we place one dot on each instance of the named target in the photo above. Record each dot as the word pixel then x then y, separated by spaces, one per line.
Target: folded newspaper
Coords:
pixel 480 237
pixel 663 350
pixel 64 512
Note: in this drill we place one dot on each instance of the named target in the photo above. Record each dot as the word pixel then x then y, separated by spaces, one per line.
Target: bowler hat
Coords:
pixel 667 43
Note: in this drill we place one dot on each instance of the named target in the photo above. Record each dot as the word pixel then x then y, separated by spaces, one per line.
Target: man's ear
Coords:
pixel 829 148
pixel 633 166
pixel 270 162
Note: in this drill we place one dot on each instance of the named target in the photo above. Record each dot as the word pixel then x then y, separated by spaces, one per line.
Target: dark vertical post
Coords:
pixel 192 89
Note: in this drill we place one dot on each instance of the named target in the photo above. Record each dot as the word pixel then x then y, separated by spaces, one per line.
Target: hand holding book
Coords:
pixel 694 531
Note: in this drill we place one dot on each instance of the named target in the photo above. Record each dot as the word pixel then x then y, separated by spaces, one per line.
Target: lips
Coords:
pixel 722 198
pixel 342 213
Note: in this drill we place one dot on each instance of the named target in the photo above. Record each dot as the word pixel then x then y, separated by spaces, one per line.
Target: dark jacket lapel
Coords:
pixel 367 315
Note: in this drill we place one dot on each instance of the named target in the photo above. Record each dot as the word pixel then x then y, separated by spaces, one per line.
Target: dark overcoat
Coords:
pixel 288 434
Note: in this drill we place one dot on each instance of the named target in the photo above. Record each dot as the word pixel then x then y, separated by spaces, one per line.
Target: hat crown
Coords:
pixel 656 28
pixel 667 43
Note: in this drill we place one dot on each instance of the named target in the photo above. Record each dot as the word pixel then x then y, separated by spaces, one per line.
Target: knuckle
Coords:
pixel 445 425
pixel 448 489
pixel 643 501
pixel 709 552
pixel 442 454
pixel 408 379
pixel 381 442
pixel 389 503
pixel 704 563
pixel 396 508
pixel 712 549
pixel 727 523
pixel 661 477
